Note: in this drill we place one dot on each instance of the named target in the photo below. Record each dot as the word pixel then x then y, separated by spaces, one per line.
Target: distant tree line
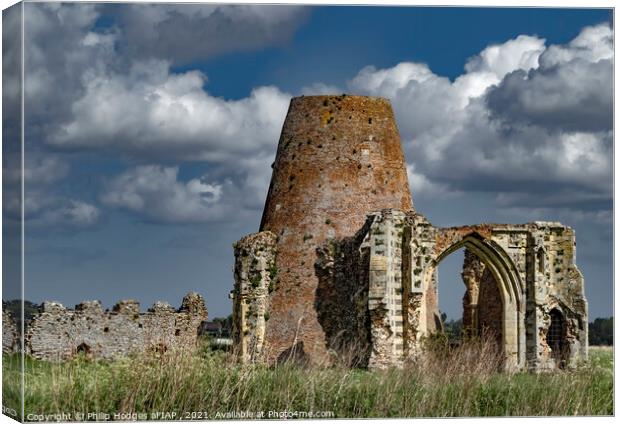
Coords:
pixel 601 332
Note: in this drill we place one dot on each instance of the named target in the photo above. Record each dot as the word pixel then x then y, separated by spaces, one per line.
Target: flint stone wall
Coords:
pixel 58 333
pixel 10 334
pixel 255 281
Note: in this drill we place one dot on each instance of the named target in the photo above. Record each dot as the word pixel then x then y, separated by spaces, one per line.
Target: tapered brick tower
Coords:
pixel 338 158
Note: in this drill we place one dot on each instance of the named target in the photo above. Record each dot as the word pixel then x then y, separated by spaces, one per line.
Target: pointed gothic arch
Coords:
pixel 509 283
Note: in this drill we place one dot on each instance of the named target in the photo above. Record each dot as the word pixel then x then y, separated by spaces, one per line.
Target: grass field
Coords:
pixel 210 385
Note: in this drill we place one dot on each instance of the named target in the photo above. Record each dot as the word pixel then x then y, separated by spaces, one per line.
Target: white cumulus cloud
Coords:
pixel 155 192
pixel 151 112
pixel 523 118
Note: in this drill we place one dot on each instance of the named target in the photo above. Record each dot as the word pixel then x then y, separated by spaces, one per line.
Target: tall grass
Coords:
pixel 458 382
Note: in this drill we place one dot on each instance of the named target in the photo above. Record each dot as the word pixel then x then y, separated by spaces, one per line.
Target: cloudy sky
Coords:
pixel 150 130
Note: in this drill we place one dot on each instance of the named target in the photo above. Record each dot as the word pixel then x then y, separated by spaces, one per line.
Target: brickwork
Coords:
pixel 58 333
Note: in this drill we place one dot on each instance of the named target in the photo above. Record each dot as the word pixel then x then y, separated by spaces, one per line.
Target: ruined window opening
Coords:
pixel 177 332
pixel 106 329
pixel 540 259
pixel 556 337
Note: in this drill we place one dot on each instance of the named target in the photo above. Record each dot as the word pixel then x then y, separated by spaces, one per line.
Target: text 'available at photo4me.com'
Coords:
pixel 175 415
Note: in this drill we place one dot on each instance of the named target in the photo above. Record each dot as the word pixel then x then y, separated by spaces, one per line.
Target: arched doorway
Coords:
pixel 469 299
pixel 506 276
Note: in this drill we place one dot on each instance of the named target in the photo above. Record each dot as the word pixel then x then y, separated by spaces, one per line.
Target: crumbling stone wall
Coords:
pixel 471 275
pixel 496 272
pixel 490 315
pixel 58 333
pixel 10 334
pixel 556 283
pixel 356 263
pixel 256 279
pixel 391 264
pixel 342 268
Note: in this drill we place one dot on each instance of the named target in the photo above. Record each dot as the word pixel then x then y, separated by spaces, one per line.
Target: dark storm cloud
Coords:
pixel 60 47
pixel 574 96
pixel 189 33
pixel 11 78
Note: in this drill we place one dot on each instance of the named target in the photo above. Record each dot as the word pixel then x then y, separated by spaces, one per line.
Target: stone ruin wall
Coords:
pixel 556 284
pixel 255 281
pixel 545 256
pixel 385 291
pixel 10 334
pixel 342 298
pixel 58 333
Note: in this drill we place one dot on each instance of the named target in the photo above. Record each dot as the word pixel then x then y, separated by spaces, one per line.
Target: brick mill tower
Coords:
pixel 338 158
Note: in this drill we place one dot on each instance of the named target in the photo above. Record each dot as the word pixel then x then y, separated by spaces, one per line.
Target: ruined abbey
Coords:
pixel 343 262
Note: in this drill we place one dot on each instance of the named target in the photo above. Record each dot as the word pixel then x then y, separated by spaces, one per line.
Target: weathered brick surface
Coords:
pixel 338 158
pixel 58 333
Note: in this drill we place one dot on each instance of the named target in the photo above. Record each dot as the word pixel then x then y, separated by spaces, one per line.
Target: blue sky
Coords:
pixel 348 38
pixel 150 130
